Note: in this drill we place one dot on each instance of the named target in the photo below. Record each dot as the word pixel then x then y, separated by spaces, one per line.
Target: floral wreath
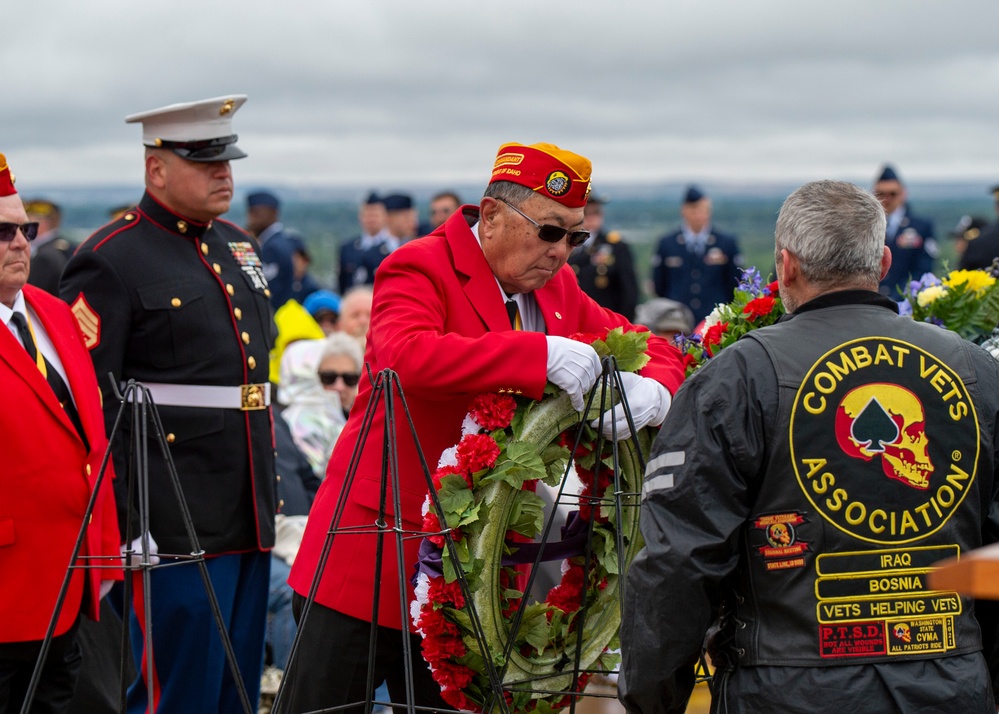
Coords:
pixel 486 488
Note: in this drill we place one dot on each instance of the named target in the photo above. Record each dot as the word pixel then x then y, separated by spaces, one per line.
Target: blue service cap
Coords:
pixel 373 198
pixel 693 194
pixel 320 301
pixel 888 174
pixel 398 202
pixel 263 198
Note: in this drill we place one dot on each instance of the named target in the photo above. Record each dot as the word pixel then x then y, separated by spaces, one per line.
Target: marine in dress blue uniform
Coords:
pixel 603 264
pixel 982 249
pixel 277 246
pixel 908 237
pixel 170 296
pixel 50 251
pixel 696 265
pixel 360 257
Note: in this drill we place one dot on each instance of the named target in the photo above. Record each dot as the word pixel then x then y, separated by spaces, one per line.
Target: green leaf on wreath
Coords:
pixel 555 458
pixel 520 463
pixel 605 549
pixel 527 514
pixel 458 501
pixel 534 626
pixel 627 347
pixel 461 550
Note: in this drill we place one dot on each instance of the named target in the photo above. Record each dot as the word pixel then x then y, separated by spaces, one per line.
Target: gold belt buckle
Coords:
pixel 251 397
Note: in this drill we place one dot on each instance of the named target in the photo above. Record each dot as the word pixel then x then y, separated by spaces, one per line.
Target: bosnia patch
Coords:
pixel 88 320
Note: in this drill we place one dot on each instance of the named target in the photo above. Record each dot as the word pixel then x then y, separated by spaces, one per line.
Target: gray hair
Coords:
pixel 836 230
pixel 340 343
pixel 508 191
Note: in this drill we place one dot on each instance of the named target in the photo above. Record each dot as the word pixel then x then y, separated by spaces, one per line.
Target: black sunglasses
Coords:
pixel 8 231
pixel 550 233
pixel 328 379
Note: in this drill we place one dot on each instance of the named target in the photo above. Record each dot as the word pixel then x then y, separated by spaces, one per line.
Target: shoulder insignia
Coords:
pixel 614 237
pixel 88 320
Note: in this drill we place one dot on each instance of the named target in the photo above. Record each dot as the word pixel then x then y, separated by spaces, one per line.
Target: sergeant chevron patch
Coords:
pixel 88 320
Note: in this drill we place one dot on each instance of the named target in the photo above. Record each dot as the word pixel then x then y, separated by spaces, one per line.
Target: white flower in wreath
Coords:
pixel 422 591
pixel 714 317
pixel 470 426
pixel 449 457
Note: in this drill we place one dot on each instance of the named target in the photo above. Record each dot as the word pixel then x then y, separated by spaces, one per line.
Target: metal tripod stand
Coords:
pixel 143 413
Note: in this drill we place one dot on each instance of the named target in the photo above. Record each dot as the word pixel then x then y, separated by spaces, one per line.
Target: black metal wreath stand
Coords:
pixel 143 413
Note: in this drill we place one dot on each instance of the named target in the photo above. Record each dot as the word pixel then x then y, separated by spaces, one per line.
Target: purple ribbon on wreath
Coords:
pixel 572 543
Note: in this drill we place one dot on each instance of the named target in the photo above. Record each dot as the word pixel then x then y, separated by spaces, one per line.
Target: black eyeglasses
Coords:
pixel 8 231
pixel 328 379
pixel 550 233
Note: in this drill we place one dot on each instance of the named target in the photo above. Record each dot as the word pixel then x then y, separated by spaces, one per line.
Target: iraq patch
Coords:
pixel 884 440
pixel 88 320
pixel 249 262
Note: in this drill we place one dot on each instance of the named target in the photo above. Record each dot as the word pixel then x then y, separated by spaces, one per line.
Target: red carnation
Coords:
pixel 477 452
pixel 713 336
pixel 772 289
pixel 442 592
pixel 758 307
pixel 493 411
pixel 438 649
pixel 431 524
pixel 452 677
pixel 434 624
pixel 449 470
pixel 567 596
pixel 457 699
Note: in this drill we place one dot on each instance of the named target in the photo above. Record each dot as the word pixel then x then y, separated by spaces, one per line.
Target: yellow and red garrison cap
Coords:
pixel 546 169
pixel 8 194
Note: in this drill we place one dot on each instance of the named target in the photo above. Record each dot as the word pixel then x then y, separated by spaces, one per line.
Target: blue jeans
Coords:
pixel 280 620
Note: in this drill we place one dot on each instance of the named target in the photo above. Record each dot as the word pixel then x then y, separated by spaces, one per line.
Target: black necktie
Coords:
pixel 55 381
pixel 514 313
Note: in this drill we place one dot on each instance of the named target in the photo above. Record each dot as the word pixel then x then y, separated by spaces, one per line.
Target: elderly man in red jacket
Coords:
pixel 483 304
pixel 53 440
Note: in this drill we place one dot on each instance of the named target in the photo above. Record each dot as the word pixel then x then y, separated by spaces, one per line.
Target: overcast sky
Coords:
pixel 391 93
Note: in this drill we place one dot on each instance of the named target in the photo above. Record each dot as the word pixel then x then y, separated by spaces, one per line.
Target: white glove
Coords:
pixel 649 401
pixel 106 586
pixel 136 558
pixel 573 366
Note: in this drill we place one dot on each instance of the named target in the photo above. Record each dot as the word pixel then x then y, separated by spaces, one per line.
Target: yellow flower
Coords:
pixel 930 294
pixel 976 280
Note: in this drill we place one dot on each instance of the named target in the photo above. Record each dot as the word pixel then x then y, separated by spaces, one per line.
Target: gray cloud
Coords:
pixel 389 92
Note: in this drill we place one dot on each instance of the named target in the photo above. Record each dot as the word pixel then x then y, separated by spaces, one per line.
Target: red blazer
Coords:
pixel 440 322
pixel 46 480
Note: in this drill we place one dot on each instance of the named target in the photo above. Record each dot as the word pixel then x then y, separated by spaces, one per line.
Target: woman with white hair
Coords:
pixel 340 368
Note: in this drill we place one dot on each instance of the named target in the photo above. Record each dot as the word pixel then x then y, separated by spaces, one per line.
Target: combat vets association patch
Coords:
pixel 781 548
pixel 906 446
pixel 88 320
pixel 558 183
pixel 249 262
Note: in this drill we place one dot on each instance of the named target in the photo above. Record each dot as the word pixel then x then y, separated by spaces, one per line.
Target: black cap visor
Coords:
pixel 221 149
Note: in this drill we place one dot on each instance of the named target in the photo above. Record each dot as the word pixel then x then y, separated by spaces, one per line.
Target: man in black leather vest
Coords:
pixel 803 484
